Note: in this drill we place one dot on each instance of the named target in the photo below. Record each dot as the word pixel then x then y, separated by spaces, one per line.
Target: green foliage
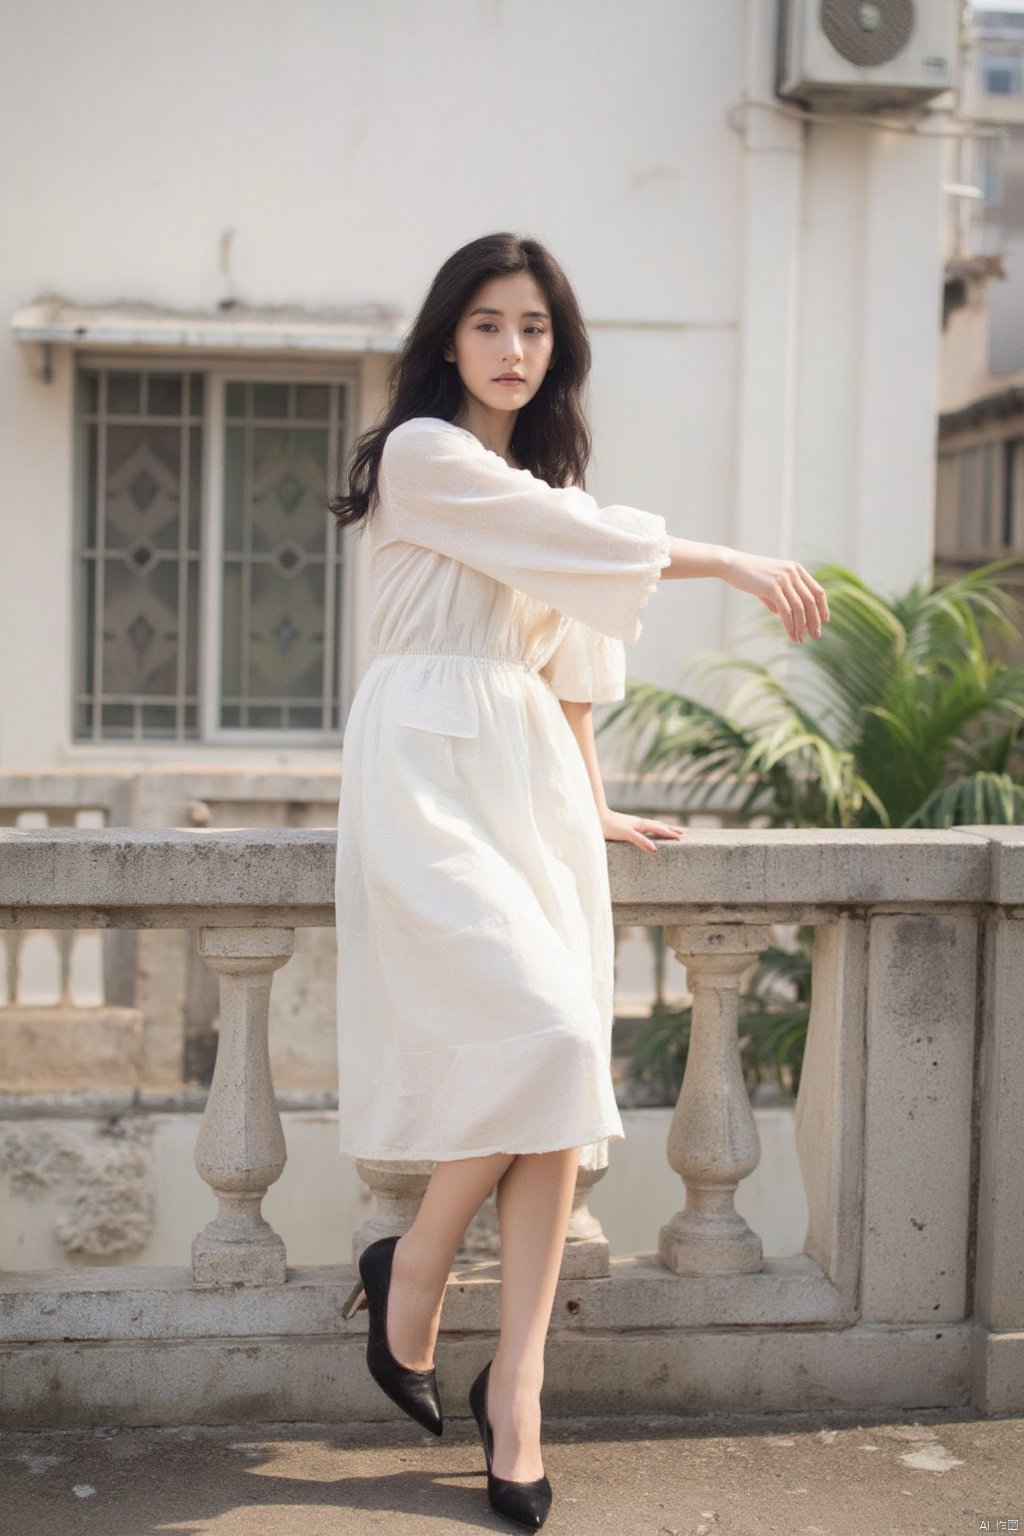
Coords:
pixel 772 1028
pixel 899 716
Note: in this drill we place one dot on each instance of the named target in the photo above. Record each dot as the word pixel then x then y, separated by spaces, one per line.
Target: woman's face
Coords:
pixel 505 329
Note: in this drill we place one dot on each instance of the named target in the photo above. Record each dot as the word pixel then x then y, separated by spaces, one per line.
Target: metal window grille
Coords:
pixel 281 562
pixel 140 447
pixel 271 607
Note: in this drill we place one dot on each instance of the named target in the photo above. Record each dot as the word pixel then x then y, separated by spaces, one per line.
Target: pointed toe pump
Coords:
pixel 525 1503
pixel 415 1392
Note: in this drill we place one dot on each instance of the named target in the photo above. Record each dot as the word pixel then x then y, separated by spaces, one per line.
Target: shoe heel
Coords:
pixel 356 1298
pixel 527 1504
pixel 415 1392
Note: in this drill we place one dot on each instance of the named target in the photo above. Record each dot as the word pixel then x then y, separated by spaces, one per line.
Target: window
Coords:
pixel 980 500
pixel 1002 74
pixel 209 574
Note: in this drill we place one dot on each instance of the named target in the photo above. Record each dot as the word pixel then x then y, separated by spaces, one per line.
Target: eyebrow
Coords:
pixel 528 314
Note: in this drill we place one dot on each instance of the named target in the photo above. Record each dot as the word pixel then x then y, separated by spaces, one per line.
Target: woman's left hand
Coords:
pixel 619 827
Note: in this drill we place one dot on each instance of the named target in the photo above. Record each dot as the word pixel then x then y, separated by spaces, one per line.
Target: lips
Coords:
pixel 509 378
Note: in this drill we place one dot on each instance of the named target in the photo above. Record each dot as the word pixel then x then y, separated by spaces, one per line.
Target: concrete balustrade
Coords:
pixel 240 1150
pixel 909 1290
pixel 586 1248
pixel 712 1142
pixel 397 1188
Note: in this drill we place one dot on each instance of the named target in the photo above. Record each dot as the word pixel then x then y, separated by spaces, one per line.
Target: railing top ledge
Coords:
pixel 169 876
pixel 114 875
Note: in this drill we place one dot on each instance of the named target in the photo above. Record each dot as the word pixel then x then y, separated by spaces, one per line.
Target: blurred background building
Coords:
pixel 220 222
pixel 980 490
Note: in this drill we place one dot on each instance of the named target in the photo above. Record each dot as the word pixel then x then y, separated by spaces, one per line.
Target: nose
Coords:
pixel 513 351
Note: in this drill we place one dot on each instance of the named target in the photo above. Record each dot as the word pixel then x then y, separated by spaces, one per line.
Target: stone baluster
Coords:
pixel 713 1141
pixel 240 1150
pixel 586 1251
pixel 397 1189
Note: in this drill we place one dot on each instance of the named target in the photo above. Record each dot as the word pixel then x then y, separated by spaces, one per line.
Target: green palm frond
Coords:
pixel 660 1047
pixel 897 699
pixel 774 1010
pixel 964 608
pixel 901 717
pixel 859 648
pixel 788 968
pixel 977 799
pixel 775 1041
pixel 1000 752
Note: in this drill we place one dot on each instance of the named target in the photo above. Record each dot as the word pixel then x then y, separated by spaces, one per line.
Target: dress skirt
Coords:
pixel 475 938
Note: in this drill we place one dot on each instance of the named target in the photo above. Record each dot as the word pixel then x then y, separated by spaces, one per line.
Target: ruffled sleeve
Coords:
pixel 448 493
pixel 586 666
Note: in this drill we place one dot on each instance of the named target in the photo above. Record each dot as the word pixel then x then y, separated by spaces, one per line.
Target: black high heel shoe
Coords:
pixel 526 1503
pixel 414 1391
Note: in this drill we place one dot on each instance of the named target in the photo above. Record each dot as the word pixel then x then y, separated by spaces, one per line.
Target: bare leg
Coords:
pixel 425 1253
pixel 534 1201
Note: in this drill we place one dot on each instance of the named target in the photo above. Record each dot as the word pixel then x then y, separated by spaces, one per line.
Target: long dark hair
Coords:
pixel 551 437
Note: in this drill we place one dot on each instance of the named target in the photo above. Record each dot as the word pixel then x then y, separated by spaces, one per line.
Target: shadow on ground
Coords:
pixel 928 1474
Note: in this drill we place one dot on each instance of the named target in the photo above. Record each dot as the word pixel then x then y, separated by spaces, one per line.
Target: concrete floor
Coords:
pixel 926 1474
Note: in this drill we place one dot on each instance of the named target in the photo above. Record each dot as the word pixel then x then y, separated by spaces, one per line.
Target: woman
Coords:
pixel 474 913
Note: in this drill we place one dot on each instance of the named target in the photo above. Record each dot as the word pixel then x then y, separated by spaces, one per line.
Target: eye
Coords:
pixel 538 330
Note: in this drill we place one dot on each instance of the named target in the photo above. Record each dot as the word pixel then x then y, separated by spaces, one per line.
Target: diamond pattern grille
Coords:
pixel 277 590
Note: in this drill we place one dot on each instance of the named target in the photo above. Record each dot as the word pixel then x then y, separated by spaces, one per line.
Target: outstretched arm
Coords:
pixel 783 586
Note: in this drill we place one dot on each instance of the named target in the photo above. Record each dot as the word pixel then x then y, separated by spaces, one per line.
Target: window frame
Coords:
pixel 993 59
pixel 960 506
pixel 218 371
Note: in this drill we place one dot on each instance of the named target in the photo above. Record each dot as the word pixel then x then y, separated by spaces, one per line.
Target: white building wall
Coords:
pixel 763 296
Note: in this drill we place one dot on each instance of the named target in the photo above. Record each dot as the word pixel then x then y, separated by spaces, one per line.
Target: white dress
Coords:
pixel 475 941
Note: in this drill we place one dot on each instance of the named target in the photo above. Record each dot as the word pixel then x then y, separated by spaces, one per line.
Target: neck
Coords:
pixel 493 428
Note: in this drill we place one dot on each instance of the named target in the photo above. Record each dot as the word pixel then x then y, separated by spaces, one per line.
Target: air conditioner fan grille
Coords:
pixel 867 32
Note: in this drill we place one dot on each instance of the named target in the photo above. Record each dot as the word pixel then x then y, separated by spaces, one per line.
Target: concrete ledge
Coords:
pixel 147 1347
pixel 128 877
pixel 126 1304
pixel 106 872
pixel 96 1104
pixel 50 1050
pixel 998 1381
pixel 263 1380
pixel 1007 850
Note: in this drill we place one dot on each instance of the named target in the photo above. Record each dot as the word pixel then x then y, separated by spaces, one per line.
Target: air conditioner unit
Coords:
pixel 857 55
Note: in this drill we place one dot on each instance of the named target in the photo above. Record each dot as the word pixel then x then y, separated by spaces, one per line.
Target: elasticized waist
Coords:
pixel 495 661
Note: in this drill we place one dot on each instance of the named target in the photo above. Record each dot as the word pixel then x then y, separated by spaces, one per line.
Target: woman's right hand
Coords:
pixel 785 588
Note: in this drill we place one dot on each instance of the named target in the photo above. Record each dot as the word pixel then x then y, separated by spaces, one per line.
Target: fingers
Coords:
pixel 802 602
pixel 814 600
pixel 784 608
pixel 673 834
pixel 820 597
pixel 631 829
